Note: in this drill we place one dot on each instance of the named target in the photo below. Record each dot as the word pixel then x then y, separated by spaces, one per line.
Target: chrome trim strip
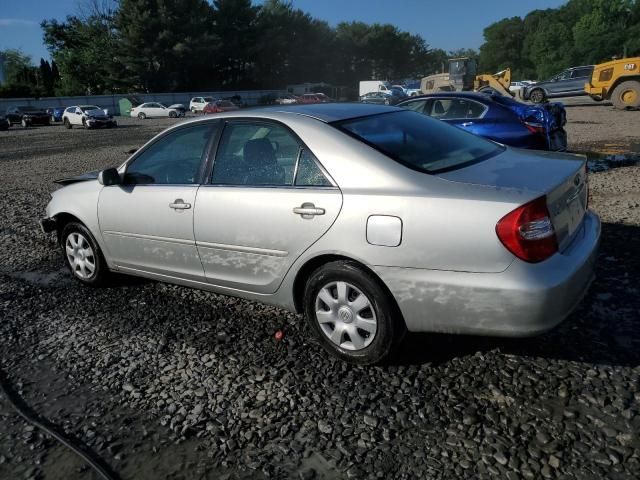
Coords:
pixel 179 241
pixel 243 249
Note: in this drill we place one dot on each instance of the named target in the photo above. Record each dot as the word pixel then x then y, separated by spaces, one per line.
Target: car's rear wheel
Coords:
pixel 626 95
pixel 537 96
pixel 173 114
pixel 82 255
pixel 350 312
pixel 142 116
pixel 67 123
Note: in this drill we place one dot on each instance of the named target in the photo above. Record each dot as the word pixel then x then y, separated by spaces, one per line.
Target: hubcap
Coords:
pixel 346 316
pixel 628 96
pixel 80 256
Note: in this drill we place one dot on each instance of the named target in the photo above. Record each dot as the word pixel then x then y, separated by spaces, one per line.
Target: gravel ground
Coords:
pixel 166 382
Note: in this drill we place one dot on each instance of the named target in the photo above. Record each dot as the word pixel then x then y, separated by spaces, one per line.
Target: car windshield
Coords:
pixel 419 142
pixel 89 108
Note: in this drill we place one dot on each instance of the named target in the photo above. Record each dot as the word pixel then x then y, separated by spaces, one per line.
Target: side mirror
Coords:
pixel 110 176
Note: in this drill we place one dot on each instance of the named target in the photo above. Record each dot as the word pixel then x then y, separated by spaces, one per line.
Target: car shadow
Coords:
pixel 604 329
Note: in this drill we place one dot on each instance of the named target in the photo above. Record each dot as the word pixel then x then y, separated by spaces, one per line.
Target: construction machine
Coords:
pixel 618 81
pixel 462 77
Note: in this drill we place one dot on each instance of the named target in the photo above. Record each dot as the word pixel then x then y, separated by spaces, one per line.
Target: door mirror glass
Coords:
pixel 110 176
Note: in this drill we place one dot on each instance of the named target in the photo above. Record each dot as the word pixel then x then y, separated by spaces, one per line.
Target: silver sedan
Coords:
pixel 370 220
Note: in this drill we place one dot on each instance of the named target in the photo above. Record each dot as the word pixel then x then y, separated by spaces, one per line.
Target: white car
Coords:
pixel 197 104
pixel 517 86
pixel 87 116
pixel 153 109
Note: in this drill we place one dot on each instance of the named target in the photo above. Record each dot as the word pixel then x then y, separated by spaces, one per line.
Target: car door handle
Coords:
pixel 308 210
pixel 179 204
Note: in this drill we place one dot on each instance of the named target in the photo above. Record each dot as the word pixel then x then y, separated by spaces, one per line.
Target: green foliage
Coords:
pixel 581 32
pixel 177 45
pixel 22 78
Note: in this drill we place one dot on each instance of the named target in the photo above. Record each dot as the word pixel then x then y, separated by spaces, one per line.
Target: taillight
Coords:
pixel 535 127
pixel 528 233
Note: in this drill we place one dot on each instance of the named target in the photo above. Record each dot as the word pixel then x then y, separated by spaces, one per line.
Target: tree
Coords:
pixel 21 77
pixel 165 44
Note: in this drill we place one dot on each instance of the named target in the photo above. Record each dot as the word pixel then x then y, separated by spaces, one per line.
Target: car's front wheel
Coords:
pixel 142 116
pixel 67 123
pixel 351 313
pixel 82 254
pixel 173 114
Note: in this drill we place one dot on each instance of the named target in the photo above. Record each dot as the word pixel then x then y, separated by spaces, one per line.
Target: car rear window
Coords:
pixel 420 142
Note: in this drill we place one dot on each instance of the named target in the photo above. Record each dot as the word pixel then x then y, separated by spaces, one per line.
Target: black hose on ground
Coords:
pixel 89 457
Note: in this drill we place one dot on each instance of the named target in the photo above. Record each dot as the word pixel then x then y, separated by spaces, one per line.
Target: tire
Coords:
pixel 82 255
pixel 537 96
pixel 626 95
pixel 336 289
pixel 173 114
pixel 24 123
pixel 67 123
pixel 142 116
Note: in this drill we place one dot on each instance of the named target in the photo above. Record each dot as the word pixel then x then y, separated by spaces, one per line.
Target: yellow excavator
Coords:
pixel 618 81
pixel 462 76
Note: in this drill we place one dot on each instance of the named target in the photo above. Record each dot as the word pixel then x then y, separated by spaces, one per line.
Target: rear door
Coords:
pixel 267 201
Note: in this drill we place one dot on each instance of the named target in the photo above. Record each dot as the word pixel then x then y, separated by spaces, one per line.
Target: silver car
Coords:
pixel 370 220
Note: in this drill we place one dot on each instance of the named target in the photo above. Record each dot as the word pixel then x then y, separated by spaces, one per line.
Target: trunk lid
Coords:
pixel 561 177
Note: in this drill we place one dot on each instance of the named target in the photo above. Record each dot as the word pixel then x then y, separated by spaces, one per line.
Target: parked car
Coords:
pixel 180 108
pixel 153 110
pixel 197 104
pixel 400 222
pixel 55 113
pixel 323 98
pixel 497 117
pixel 285 100
pixel 398 91
pixel 219 106
pixel 309 98
pixel 383 98
pixel 27 116
pixel 569 83
pixel 4 122
pixel 516 86
pixel 87 116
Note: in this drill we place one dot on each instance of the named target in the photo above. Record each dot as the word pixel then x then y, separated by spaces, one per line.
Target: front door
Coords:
pixel 147 222
pixel 268 200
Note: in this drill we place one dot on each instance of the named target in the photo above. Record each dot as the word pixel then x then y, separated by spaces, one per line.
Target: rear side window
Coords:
pixel 419 142
pixel 309 173
pixel 582 73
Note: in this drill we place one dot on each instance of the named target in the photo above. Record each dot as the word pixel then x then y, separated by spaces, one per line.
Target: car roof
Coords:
pixel 331 112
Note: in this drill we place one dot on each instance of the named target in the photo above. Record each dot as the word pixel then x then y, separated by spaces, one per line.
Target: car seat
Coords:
pixel 261 163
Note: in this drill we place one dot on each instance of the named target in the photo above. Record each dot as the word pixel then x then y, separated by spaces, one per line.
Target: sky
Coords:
pixel 446 24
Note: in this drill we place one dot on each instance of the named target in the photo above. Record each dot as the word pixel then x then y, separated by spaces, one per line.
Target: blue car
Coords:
pixel 497 118
pixel 55 113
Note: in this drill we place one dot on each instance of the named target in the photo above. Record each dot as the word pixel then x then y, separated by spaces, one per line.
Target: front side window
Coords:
pixel 255 154
pixel 416 106
pixel 419 142
pixel 582 73
pixel 172 160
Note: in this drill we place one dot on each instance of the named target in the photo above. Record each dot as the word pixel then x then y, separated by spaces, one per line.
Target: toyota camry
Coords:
pixel 370 220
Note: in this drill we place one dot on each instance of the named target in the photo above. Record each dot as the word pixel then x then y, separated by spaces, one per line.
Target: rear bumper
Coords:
pixel 524 300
